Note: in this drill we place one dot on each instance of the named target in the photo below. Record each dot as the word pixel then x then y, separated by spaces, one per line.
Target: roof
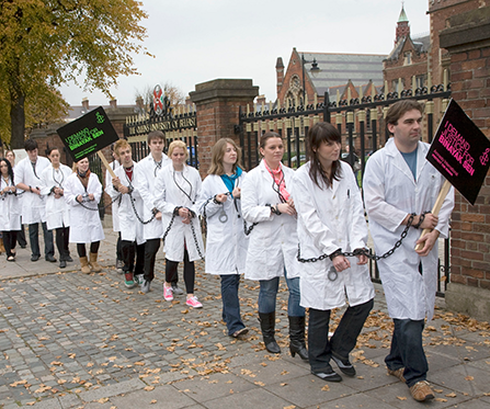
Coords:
pixel 76 111
pixel 403 16
pixel 338 69
pixel 421 44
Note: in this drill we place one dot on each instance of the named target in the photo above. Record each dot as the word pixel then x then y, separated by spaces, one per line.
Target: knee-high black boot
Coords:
pixel 297 337
pixel 267 325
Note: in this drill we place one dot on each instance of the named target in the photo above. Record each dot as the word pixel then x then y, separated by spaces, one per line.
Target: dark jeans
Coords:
pixel 343 341
pixel 34 240
pixel 21 237
pixel 231 303
pixel 268 294
pixel 130 252
pixel 407 350
pixel 94 248
pixel 9 240
pixel 119 255
pixel 189 272
pixel 62 236
pixel 151 250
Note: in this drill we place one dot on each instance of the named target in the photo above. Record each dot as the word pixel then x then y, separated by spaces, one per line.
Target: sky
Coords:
pixel 195 41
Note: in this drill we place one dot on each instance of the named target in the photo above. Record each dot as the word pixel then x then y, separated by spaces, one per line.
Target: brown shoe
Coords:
pixel 421 391
pixel 84 265
pixel 93 263
pixel 398 373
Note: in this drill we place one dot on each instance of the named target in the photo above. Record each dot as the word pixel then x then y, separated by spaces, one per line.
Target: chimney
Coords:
pixel 279 74
pixel 260 100
pixel 85 104
pixel 113 103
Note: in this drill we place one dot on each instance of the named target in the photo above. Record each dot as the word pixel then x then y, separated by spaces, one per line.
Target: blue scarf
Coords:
pixel 230 180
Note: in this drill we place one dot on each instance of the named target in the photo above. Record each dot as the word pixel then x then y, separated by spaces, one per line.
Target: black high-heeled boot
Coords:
pixel 297 343
pixel 267 325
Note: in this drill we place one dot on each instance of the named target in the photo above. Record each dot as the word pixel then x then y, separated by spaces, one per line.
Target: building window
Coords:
pixel 419 81
pixel 408 58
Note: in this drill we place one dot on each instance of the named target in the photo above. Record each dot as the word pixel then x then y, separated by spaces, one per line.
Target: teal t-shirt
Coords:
pixel 411 159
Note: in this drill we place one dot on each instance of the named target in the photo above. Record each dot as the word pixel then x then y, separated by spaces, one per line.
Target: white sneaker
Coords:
pixel 167 293
pixel 193 302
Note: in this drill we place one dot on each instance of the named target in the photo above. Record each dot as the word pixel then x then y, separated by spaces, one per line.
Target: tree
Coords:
pixel 44 43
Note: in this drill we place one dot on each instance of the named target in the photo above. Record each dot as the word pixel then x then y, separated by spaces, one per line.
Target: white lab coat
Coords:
pixel 273 242
pixel 145 175
pixel 9 218
pixel 226 243
pixel 85 225
pixel 390 193
pixel 108 185
pixel 168 196
pixel 33 205
pixel 131 229
pixel 330 219
pixel 57 211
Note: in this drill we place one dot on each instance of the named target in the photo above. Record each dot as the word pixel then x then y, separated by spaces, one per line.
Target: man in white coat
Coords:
pixel 145 176
pixel 28 178
pixel 132 241
pixel 400 187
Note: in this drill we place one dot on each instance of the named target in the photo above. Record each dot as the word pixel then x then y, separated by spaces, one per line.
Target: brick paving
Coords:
pixel 70 340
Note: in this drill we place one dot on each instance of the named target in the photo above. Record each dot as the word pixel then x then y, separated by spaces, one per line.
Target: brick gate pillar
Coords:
pixel 468 41
pixel 217 107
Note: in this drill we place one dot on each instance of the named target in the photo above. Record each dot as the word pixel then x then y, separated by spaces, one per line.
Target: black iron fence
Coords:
pixel 363 129
pixel 182 125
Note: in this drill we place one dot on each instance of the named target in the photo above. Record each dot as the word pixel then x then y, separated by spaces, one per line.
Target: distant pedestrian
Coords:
pixel 330 222
pixel 53 180
pixel 9 220
pixel 226 243
pixel 82 193
pixel 28 178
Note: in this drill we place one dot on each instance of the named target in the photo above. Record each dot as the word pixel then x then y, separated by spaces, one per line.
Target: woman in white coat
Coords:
pixel 330 222
pixel 176 190
pixel 57 214
pixel 82 193
pixel 273 244
pixel 226 244
pixel 9 218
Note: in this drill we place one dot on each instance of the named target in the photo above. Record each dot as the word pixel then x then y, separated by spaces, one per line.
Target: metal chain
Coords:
pixel 97 208
pixel 168 227
pixel 248 230
pixel 364 252
pixel 195 240
pixel 136 212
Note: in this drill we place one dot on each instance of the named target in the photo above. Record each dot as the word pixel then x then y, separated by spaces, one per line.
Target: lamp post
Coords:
pixel 314 67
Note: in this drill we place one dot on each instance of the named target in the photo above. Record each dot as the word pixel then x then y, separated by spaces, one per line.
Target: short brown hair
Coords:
pixel 121 144
pixel 155 135
pixel 398 109
pixel 217 154
pixel 268 135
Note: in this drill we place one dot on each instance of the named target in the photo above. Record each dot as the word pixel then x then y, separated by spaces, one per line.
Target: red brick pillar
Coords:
pixel 217 107
pixel 468 41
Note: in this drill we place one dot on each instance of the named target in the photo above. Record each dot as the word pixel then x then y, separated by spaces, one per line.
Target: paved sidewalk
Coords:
pixel 70 340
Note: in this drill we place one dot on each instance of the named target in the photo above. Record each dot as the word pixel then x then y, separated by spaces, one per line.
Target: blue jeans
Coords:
pixel 34 240
pixel 231 303
pixel 407 350
pixel 268 294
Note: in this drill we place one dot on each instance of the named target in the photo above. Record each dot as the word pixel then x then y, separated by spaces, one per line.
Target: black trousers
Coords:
pixel 34 240
pixel 9 240
pixel 343 341
pixel 21 237
pixel 119 255
pixel 94 248
pixel 130 252
pixel 62 236
pixel 189 272
pixel 151 250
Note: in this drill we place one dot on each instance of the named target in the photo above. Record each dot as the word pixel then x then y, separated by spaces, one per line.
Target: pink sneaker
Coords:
pixel 167 293
pixel 193 302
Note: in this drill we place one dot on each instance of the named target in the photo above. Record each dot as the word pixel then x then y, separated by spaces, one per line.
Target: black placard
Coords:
pixel 88 134
pixel 461 152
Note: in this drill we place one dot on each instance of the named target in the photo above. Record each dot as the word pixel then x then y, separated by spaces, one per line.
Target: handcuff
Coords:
pixel 223 217
pixel 332 274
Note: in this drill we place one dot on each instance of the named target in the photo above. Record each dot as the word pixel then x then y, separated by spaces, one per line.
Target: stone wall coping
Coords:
pixel 467 31
pixel 235 89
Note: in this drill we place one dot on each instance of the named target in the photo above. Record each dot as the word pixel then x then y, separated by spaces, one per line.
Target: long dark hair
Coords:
pixel 318 134
pixel 9 167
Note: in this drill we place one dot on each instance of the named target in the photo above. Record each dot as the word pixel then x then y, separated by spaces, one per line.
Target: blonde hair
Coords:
pixel 178 144
pixel 121 144
pixel 218 153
